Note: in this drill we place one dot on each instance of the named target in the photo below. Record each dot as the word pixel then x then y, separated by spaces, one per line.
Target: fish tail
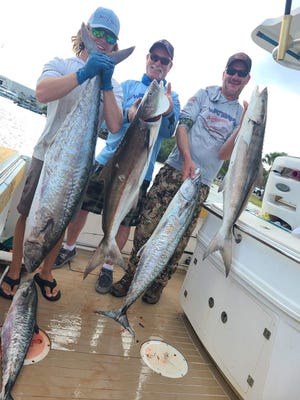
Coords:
pixel 226 253
pixel 111 252
pixel 223 244
pixel 107 250
pixel 120 316
pixel 96 259
pixel 5 394
pixel 216 243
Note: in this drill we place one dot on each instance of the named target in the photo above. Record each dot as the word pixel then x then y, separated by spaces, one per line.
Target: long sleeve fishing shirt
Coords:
pixel 133 90
pixel 210 119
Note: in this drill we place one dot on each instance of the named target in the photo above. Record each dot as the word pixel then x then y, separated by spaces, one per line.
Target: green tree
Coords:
pixel 269 158
pixel 166 148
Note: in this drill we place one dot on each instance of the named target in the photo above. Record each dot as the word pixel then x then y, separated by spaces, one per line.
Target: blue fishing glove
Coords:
pixel 106 75
pixel 94 65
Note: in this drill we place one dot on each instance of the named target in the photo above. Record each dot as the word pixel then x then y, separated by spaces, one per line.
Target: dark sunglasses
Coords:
pixel 100 33
pixel 232 71
pixel 163 60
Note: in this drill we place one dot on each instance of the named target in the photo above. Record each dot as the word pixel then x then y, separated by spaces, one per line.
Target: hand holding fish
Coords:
pixel 131 111
pixel 95 64
pixel 188 165
pixel 227 148
pixel 106 75
pixel 169 96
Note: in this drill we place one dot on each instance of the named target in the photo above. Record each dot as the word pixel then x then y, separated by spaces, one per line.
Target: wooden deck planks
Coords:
pixel 92 357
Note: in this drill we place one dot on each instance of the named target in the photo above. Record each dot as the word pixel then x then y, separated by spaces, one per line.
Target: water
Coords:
pixel 20 128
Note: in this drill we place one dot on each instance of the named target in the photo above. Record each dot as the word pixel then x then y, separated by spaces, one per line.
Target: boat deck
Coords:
pixel 92 357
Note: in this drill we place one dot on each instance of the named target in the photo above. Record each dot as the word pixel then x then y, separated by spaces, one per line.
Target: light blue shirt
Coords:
pixel 133 90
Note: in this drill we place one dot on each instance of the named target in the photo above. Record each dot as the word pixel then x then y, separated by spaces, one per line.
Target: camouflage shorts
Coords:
pixel 165 186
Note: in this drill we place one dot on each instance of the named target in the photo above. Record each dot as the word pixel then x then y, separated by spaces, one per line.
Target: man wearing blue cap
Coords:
pixel 60 85
pixel 159 62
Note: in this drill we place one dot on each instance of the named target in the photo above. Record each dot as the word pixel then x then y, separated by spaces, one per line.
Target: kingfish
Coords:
pixel 124 173
pixel 242 174
pixel 16 335
pixel 158 250
pixel 66 169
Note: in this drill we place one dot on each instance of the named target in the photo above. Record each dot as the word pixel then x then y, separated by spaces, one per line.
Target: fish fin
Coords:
pixel 226 253
pixel 141 250
pixel 105 250
pixel 36 328
pixel 120 316
pixel 120 55
pixel 224 245
pixel 162 106
pixel 215 244
pixel 6 396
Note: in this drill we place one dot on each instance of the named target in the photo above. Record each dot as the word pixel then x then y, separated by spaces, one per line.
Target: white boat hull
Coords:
pixel 250 321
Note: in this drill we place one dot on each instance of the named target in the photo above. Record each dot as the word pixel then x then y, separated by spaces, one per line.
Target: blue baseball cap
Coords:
pixel 105 18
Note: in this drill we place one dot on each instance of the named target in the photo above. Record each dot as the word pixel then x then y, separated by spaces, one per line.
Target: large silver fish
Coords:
pixel 159 248
pixel 242 173
pixel 66 169
pixel 16 335
pixel 124 173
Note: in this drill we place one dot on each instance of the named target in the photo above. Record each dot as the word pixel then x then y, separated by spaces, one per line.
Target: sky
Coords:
pixel 204 34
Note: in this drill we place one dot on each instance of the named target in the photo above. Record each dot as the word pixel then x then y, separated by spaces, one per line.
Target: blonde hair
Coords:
pixel 78 45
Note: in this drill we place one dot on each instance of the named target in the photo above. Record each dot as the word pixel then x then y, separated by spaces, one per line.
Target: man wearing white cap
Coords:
pixel 60 85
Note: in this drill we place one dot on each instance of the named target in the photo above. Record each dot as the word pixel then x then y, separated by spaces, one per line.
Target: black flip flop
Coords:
pixel 43 283
pixel 12 283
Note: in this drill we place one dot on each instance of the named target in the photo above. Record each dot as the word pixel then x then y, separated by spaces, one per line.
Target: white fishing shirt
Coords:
pixel 58 110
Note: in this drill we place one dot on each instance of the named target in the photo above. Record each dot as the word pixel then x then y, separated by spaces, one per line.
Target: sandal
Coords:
pixel 12 283
pixel 43 283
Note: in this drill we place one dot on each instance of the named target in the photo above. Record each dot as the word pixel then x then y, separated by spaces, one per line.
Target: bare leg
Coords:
pixel 75 227
pixel 122 236
pixel 15 268
pixel 45 271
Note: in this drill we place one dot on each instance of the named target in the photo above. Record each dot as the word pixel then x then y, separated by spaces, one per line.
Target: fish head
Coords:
pixel 257 108
pixel 27 288
pixel 26 293
pixel 154 102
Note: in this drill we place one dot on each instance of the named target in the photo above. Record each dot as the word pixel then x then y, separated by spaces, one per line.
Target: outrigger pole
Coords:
pixel 284 37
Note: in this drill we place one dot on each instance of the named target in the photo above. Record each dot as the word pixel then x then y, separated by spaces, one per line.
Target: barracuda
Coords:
pixel 124 173
pixel 66 169
pixel 242 174
pixel 158 250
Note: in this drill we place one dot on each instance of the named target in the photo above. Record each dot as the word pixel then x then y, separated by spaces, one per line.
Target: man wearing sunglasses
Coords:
pixel 159 62
pixel 60 86
pixel 207 128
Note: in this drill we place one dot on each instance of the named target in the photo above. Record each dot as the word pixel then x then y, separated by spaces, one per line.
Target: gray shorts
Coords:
pixel 30 186
pixel 94 198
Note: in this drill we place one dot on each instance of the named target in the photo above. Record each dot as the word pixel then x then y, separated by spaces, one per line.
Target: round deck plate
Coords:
pixel 38 349
pixel 164 359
